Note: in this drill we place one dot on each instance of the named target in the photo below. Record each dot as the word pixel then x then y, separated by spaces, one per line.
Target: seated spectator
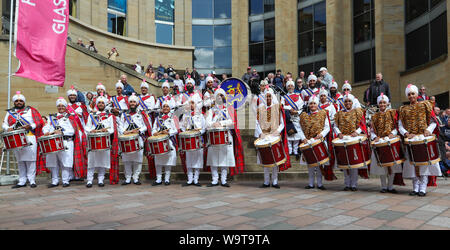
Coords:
pixel 91 46
pixel 178 83
pixel 171 71
pixel 165 78
pixel 161 71
pixel 138 67
pixel 150 65
pixel 80 43
pixel 150 74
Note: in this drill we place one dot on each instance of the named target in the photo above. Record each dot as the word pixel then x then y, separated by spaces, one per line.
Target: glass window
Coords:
pixel 164 33
pixel 415 8
pixel 320 41
pixel 439 45
pixel 362 28
pixel 255 7
pixel 256 31
pixel 222 57
pixel 202 35
pixel 305 22
pixel 269 5
pixel 433 3
pixel 164 10
pixel 118 5
pixel 320 15
pixel 312 38
pixel 116 24
pixel 202 8
pixel 306 44
pixel 364 65
pixel 222 35
pixel 222 9
pixel 269 29
pixel 361 6
pixel 417 47
pixel 256 52
pixel 204 58
pixel 269 52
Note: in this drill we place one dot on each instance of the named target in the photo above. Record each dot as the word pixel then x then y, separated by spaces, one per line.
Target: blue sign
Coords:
pixel 236 90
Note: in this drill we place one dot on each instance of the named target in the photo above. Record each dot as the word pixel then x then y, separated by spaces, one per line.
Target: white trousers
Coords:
pixel 167 169
pixel 215 175
pixel 101 175
pixel 132 169
pixel 420 183
pixel 351 180
pixel 315 172
pixel 65 174
pixel 274 171
pixel 27 170
pixel 390 181
pixel 193 174
pixel 293 147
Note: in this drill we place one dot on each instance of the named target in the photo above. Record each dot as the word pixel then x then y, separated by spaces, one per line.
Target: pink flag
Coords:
pixel 40 38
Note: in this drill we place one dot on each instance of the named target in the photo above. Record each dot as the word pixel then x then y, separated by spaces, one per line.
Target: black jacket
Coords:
pixel 375 90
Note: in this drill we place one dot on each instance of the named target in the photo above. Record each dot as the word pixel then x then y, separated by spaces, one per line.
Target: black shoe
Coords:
pixel 66 185
pixel 309 187
pixel 186 184
pixel 77 179
pixel 89 185
pixel 18 186
pixel 197 184
pixel 383 191
pixel 276 186
pixel 225 185
pixel 212 185
pixel 101 184
pixel 297 157
pixel 393 191
pixel 321 188
pixel 137 183
pixel 167 183
pixel 264 186
pixel 33 185
pixel 347 189
pixel 413 193
pixel 354 189
pixel 125 183
pixel 52 185
pixel 422 194
pixel 156 184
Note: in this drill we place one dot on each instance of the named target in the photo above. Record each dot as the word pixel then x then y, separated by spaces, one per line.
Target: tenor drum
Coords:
pixel 99 141
pixel 423 150
pixel 389 152
pixel 218 137
pixel 315 153
pixel 129 143
pixel 158 145
pixel 271 151
pixel 15 139
pixel 51 144
pixel 352 152
pixel 190 140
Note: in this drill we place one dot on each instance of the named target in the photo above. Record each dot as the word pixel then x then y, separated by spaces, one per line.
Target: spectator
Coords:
pixel 138 67
pixel 113 54
pixel 150 74
pixel 326 79
pixel 80 43
pixel 376 88
pixel 224 77
pixel 302 76
pixel 92 46
pixel 299 86
pixel 255 76
pixel 89 98
pixel 216 80
pixel 423 94
pixel 171 71
pixel 246 77
pixel 270 78
pixel 178 83
pixel 202 82
pixel 80 97
pixel 165 78
pixel 161 71
pixel 195 75
pixel 127 88
pixel 150 65
pixel 186 74
pixel 279 79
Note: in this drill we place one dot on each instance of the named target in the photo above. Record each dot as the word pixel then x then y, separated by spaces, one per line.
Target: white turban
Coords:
pixel 100 86
pixel 312 77
pixel 334 85
pixel 323 91
pixel 219 91
pixel 209 78
pixel 322 69
pixel 144 85
pixel 101 99
pixel 314 99
pixel 381 98
pixel 62 101
pixel 168 102
pixel 347 86
pixel 290 83
pixel 71 91
pixel 349 96
pixel 264 82
pixel 411 88
pixel 166 84
pixel 274 98
pixel 18 96
pixel 191 81
pixel 119 84
pixel 133 97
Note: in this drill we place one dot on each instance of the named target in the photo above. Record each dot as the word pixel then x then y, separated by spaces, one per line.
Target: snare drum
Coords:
pixel 129 143
pixel 315 153
pixel 15 139
pixel 51 144
pixel 218 137
pixel 352 152
pixel 158 145
pixel 389 153
pixel 271 151
pixel 99 141
pixel 424 151
pixel 190 140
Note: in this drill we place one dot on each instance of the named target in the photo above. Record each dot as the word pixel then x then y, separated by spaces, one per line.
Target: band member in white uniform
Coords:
pixel 193 120
pixel 146 100
pixel 21 117
pixel 220 156
pixel 165 123
pixel 131 122
pixel 101 91
pixel 347 88
pixel 326 104
pixel 312 88
pixel 257 100
pixel 100 121
pixel 293 138
pixel 208 95
pixel 62 160
pixel 120 101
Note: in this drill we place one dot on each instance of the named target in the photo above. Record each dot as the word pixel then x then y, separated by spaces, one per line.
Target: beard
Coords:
pixel 19 106
pixel 190 89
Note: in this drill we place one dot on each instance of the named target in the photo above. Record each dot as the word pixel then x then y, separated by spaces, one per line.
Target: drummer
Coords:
pixel 190 95
pixel 314 125
pixel 258 100
pixel 312 88
pixel 327 105
pixel 99 122
pixel 101 91
pixel 28 118
pixel 193 120
pixel 79 108
pixel 335 96
pixel 166 124
pixel 293 104
pixel 384 125
pixel 132 123
pixel 208 94
pixel 165 97
pixel 120 101
pixel 416 119
pixel 347 89
pixel 350 122
pixel 64 123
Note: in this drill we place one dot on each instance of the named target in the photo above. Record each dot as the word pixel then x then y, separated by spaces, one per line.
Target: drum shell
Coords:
pixel 390 153
pixel 190 142
pixel 315 154
pixel 15 139
pixel 99 141
pixel 160 146
pixel 129 144
pixel 218 137
pixel 354 154
pixel 51 144
pixel 271 154
pixel 423 153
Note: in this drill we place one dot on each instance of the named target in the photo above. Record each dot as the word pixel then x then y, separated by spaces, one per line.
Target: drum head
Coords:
pixel 49 137
pixel 348 140
pixel 267 142
pixel 385 141
pixel 100 134
pixel 189 134
pixel 14 132
pixel 420 139
pixel 128 137
pixel 157 138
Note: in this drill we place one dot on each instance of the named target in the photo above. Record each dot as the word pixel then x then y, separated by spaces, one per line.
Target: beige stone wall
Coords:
pixel 183 23
pixel 286 28
pixel 240 34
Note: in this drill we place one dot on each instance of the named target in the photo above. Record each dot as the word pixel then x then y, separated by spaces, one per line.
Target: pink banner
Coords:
pixel 41 37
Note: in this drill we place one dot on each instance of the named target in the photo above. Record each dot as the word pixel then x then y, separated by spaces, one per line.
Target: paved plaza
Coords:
pixel 244 206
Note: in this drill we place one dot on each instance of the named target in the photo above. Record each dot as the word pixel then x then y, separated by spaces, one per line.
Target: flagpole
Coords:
pixel 11 20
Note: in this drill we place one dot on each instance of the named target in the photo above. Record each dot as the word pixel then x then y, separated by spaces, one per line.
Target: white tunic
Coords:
pixel 160 100
pixel 28 153
pixel 294 118
pixel 169 159
pixel 220 156
pixel 194 159
pixel 148 100
pixel 185 98
pixel 64 158
pixel 122 103
pixel 123 125
pixel 100 159
pixel 208 99
pixel 306 94
pixel 331 112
